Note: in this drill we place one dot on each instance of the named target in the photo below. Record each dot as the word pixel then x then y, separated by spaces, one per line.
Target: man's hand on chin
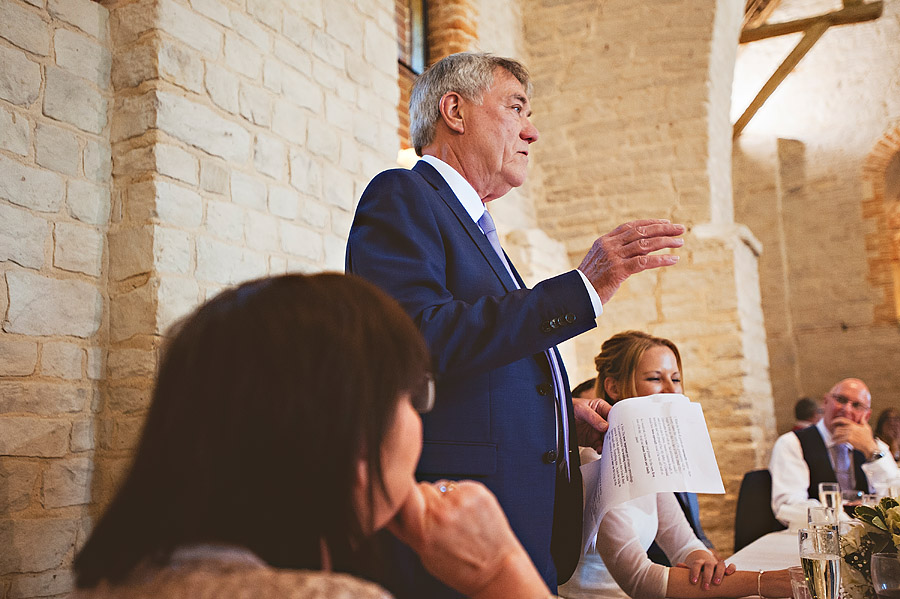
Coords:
pixel 857 434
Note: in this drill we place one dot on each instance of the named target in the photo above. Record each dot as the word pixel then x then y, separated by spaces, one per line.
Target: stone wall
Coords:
pixel 54 211
pixel 806 171
pixel 633 101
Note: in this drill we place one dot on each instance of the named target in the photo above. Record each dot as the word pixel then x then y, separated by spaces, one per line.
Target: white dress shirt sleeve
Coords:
pixel 883 471
pixel 790 481
pixel 595 298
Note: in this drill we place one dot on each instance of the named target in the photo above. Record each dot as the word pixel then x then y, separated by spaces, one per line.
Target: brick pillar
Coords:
pixel 452 27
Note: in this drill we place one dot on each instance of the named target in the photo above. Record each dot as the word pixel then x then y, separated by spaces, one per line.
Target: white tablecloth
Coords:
pixel 773 551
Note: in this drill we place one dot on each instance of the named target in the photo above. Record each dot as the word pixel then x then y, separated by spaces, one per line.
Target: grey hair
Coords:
pixel 469 74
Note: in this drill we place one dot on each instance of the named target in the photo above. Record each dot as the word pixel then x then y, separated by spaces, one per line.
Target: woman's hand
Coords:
pixel 706 568
pixel 463 538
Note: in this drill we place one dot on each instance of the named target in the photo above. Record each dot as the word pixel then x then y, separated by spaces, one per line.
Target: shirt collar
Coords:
pixel 463 190
pixel 826 434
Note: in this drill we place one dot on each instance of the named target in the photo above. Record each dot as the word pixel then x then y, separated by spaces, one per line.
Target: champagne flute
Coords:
pixel 886 575
pixel 830 495
pixel 820 556
pixel 819 517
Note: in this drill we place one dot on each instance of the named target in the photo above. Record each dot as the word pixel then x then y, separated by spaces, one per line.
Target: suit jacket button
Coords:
pixel 570 318
pixel 549 457
pixel 544 389
pixel 545 326
pixel 554 323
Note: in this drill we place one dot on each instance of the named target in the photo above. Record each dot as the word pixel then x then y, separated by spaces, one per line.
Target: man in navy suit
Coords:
pixel 503 413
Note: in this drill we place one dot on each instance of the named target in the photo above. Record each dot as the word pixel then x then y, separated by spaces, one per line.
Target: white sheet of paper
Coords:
pixel 655 444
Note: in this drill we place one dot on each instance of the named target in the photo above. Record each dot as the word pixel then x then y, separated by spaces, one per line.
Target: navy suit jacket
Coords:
pixel 494 418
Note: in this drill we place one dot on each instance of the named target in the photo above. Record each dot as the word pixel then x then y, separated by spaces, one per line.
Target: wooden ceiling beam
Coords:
pixel 852 13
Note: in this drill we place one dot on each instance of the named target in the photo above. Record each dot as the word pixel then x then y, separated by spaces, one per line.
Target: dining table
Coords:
pixel 773 551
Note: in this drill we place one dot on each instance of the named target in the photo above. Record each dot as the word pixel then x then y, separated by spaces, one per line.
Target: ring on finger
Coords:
pixel 447 487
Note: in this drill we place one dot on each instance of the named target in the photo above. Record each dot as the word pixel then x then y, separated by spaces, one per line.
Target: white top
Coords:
pixel 620 566
pixel 790 475
pixel 473 205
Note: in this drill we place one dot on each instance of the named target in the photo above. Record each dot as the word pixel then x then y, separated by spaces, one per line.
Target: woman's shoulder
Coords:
pixel 207 580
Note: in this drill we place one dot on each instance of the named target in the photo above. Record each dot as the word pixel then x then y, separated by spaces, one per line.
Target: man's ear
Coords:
pixel 450 107
pixel 612 388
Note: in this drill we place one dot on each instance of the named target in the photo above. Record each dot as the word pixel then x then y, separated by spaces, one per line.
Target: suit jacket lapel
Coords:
pixel 440 185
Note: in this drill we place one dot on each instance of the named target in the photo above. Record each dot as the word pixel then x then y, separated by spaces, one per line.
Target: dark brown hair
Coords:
pixel 266 398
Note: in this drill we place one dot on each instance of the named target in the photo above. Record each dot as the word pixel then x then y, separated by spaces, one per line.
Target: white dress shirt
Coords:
pixel 619 567
pixel 790 476
pixel 473 205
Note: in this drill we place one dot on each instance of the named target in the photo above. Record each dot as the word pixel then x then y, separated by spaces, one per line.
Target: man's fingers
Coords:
pixel 648 229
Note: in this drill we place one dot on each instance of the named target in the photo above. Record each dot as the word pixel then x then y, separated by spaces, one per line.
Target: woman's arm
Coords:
pixel 772 583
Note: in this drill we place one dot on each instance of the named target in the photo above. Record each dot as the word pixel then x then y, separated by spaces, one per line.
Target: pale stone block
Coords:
pixel 32 188
pixel 95 363
pixel 90 17
pixel 131 21
pixel 214 10
pixel 199 126
pixel 130 252
pixel 82 56
pixel 177 205
pixel 296 29
pixel 269 156
pixel 249 30
pixel 335 248
pixel 213 177
pixel 255 105
pixel 17 479
pixel 42 398
pixel 283 202
pixel 43 306
pixel 277 265
pixel 61 360
pixel 174 162
pixel 262 232
pixel 82 436
pixel 296 56
pixel 22 237
pixel 338 188
pixel 302 242
pixel 365 130
pixel 272 74
pixel 306 173
pixel 35 545
pixel 67 482
pixel 177 297
pixel 32 437
pixel 303 91
pixel 20 78
pixel 133 313
pixel 328 49
pixel 135 161
pixel 129 400
pixel 226 264
pixel 341 221
pixel 134 115
pixel 17 358
pixel 359 70
pixel 242 56
pixel 339 113
pixel 222 87
pixel 267 12
pixel 97 161
pixel 290 122
pixel 15 132
pixel 181 66
pixel 57 149
pixel 71 99
pixel 45 584
pixel 24 28
pixel 314 213
pixel 350 160
pixel 189 27
pixel 380 49
pixel 248 191
pixel 131 363
pixel 343 24
pixel 225 220
pixel 134 65
pixel 312 11
pixel 172 250
pixel 78 248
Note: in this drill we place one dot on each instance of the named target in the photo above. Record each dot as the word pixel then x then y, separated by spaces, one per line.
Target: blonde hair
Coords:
pixel 618 359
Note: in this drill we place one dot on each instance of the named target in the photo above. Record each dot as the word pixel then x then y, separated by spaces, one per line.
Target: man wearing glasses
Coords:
pixel 839 448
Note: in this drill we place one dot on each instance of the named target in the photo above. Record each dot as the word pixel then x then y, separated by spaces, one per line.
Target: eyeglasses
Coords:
pixel 843 400
pixel 423 401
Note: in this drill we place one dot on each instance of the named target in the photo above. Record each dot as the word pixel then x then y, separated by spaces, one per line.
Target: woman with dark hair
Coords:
pixel 888 430
pixel 282 435
pixel 635 364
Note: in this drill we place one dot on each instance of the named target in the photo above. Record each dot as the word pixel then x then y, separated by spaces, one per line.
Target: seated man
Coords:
pixel 839 448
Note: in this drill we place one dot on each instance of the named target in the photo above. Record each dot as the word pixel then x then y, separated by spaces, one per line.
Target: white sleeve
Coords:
pixel 619 545
pixel 883 471
pixel 675 536
pixel 790 481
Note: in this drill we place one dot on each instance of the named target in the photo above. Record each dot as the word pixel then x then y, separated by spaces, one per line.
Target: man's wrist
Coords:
pixel 876 455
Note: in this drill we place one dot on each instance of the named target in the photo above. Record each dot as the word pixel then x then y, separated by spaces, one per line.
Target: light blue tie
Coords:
pixel 486 222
